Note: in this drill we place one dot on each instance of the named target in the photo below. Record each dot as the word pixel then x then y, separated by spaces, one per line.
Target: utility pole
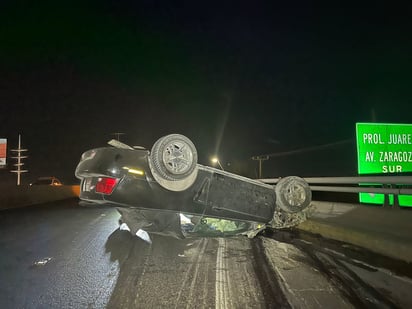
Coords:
pixel 260 159
pixel 19 163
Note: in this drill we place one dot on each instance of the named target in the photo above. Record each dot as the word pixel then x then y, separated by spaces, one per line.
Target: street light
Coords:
pixel 216 160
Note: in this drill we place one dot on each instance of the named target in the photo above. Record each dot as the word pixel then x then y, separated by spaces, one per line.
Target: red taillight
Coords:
pixel 106 185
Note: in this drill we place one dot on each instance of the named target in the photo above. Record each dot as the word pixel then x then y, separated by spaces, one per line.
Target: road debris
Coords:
pixel 42 262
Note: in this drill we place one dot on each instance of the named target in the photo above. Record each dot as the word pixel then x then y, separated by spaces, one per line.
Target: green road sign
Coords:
pixel 384 149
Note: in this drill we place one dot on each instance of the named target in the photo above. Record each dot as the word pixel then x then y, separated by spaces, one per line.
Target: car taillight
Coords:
pixel 106 185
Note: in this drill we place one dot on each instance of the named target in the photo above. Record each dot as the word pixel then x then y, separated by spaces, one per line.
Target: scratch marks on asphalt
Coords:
pixel 240 282
pixel 303 285
pixel 193 272
pixel 273 292
pixel 356 277
pixel 223 295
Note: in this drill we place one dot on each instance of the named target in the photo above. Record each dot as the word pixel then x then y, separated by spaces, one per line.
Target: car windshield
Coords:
pixel 195 226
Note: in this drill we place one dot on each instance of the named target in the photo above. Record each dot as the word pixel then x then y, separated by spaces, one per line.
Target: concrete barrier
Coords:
pixel 384 230
pixel 12 196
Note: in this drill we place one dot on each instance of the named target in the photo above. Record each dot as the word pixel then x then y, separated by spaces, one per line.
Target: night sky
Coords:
pixel 239 78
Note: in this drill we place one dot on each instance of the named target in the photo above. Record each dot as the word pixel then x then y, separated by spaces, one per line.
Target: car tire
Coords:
pixel 293 194
pixel 173 162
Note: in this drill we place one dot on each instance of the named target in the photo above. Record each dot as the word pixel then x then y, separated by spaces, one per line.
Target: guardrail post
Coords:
pixel 386 200
pixel 396 200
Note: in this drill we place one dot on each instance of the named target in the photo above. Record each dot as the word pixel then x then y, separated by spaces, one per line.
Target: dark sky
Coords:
pixel 239 78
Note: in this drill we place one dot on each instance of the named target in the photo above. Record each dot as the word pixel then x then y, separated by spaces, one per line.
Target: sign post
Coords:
pixel 19 163
pixel 384 149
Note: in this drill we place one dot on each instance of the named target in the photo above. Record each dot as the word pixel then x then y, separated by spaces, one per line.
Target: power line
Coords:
pixel 308 149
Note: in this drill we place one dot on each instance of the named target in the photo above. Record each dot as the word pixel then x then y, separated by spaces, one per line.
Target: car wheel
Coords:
pixel 173 162
pixel 293 194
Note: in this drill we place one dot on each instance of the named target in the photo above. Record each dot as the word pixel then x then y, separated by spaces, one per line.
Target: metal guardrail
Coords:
pixel 370 184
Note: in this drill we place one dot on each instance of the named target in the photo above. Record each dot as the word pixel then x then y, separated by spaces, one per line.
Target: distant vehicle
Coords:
pixel 153 189
pixel 47 181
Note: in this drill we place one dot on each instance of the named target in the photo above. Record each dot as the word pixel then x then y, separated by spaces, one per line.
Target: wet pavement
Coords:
pixel 366 279
pixel 61 255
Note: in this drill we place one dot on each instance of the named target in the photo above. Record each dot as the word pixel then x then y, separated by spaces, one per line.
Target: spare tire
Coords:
pixel 293 194
pixel 173 162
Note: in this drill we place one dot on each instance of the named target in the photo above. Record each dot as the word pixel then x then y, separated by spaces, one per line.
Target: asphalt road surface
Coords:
pixel 61 255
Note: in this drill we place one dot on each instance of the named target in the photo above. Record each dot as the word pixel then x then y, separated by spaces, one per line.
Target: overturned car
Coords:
pixel 165 191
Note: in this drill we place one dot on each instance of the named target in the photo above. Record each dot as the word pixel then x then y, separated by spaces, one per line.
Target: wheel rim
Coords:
pixel 177 157
pixel 295 194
